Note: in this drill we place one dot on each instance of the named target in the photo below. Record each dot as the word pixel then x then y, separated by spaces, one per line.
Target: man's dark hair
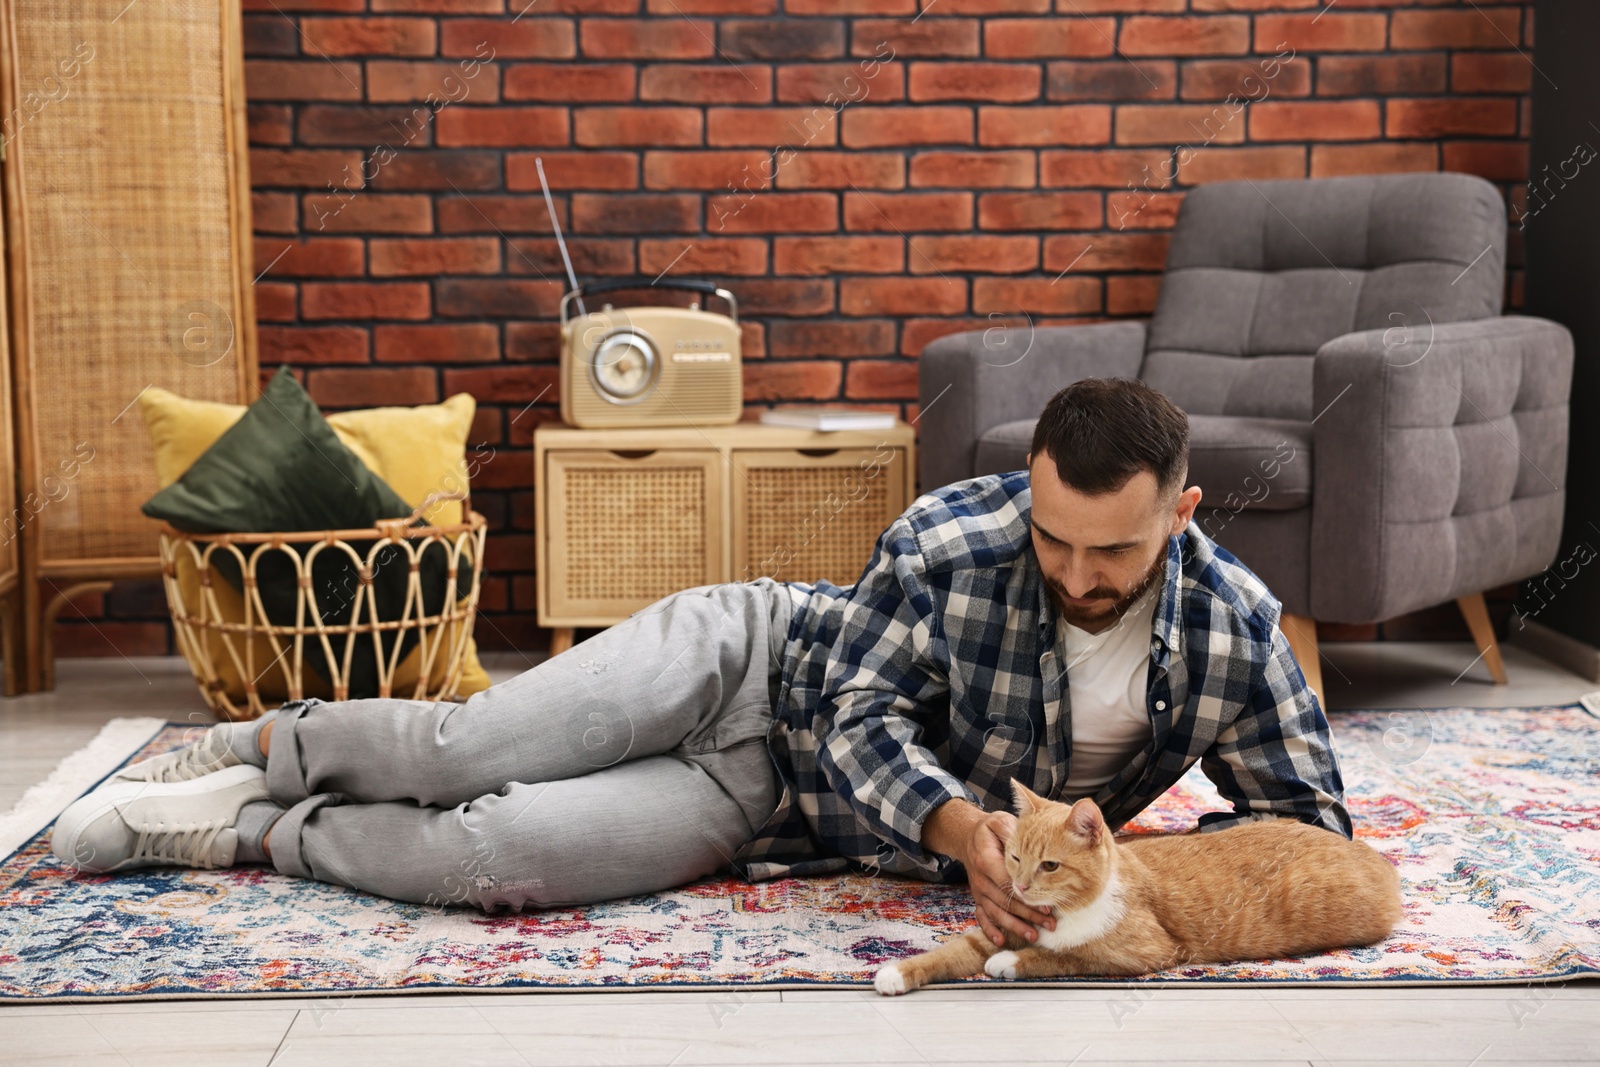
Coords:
pixel 1103 431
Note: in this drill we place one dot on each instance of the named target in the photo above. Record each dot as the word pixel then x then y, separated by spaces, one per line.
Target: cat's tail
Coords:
pixel 959 957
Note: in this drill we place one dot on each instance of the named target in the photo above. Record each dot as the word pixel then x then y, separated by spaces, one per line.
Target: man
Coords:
pixel 1066 625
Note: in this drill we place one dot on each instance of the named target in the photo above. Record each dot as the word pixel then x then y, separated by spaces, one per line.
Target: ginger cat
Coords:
pixel 1260 891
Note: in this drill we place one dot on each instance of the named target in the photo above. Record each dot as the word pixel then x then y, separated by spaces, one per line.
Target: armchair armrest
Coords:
pixel 969 383
pixel 1439 463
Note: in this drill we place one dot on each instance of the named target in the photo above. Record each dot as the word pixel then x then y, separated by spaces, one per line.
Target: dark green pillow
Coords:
pixel 282 469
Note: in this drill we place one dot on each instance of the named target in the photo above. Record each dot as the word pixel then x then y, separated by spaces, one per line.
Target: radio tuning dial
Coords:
pixel 625 366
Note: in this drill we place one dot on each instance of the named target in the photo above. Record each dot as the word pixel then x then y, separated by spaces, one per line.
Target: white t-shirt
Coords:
pixel 1107 676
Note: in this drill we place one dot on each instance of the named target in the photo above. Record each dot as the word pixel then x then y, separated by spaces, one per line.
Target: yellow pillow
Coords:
pixel 181 429
pixel 417 450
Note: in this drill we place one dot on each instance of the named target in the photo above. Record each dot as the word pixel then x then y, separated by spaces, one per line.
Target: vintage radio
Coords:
pixel 650 366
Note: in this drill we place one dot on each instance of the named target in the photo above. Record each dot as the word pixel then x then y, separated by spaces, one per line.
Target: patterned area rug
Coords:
pixel 1493 818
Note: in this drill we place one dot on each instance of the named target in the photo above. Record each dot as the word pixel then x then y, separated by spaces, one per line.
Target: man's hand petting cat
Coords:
pixel 977 838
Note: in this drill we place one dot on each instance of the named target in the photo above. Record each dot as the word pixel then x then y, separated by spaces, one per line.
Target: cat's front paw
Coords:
pixel 890 980
pixel 1001 965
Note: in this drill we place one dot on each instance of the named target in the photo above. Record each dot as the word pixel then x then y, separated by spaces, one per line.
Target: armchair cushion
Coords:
pixel 1440 475
pixel 1249 464
pixel 1004 448
pixel 1239 464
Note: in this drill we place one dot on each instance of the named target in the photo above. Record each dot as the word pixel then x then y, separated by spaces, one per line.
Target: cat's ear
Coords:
pixel 1025 800
pixel 1085 821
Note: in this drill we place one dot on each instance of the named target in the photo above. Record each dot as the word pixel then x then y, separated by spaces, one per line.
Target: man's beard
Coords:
pixel 1093 618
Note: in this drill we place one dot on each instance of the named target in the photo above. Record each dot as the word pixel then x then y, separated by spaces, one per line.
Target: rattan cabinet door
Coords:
pixel 801 515
pixel 624 529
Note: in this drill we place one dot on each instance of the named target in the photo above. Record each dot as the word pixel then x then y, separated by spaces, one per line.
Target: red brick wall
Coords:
pixel 865 178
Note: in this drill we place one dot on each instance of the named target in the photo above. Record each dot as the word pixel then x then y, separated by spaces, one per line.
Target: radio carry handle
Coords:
pixel 691 284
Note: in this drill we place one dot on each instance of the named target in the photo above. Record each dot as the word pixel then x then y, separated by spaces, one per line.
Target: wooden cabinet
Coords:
pixel 625 517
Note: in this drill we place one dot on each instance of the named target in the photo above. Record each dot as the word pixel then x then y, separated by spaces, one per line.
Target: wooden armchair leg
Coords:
pixel 1477 616
pixel 1302 634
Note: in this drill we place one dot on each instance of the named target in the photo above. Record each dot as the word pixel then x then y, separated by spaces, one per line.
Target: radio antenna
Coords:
pixel 538 165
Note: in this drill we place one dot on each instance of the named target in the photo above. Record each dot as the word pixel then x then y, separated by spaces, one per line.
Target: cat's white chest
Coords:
pixel 1089 923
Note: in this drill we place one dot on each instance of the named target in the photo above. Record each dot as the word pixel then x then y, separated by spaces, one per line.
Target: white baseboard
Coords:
pixel 1577 656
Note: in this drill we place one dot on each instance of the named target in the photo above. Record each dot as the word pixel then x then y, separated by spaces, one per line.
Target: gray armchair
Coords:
pixel 1370 435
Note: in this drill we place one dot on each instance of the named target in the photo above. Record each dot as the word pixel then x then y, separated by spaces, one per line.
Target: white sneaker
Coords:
pixel 206 756
pixel 153 824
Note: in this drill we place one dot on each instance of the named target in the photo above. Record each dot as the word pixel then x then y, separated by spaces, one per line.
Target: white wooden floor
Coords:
pixel 1465 1027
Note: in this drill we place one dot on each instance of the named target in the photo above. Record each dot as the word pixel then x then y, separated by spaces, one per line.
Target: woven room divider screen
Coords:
pixel 11 644
pixel 128 246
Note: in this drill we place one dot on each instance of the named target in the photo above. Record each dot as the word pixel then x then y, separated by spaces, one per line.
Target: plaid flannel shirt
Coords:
pixel 937 676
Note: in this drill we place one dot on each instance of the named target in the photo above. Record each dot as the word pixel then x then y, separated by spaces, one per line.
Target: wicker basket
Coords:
pixel 205 631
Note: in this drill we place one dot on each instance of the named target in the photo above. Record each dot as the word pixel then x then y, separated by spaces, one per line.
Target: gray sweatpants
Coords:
pixel 632 762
